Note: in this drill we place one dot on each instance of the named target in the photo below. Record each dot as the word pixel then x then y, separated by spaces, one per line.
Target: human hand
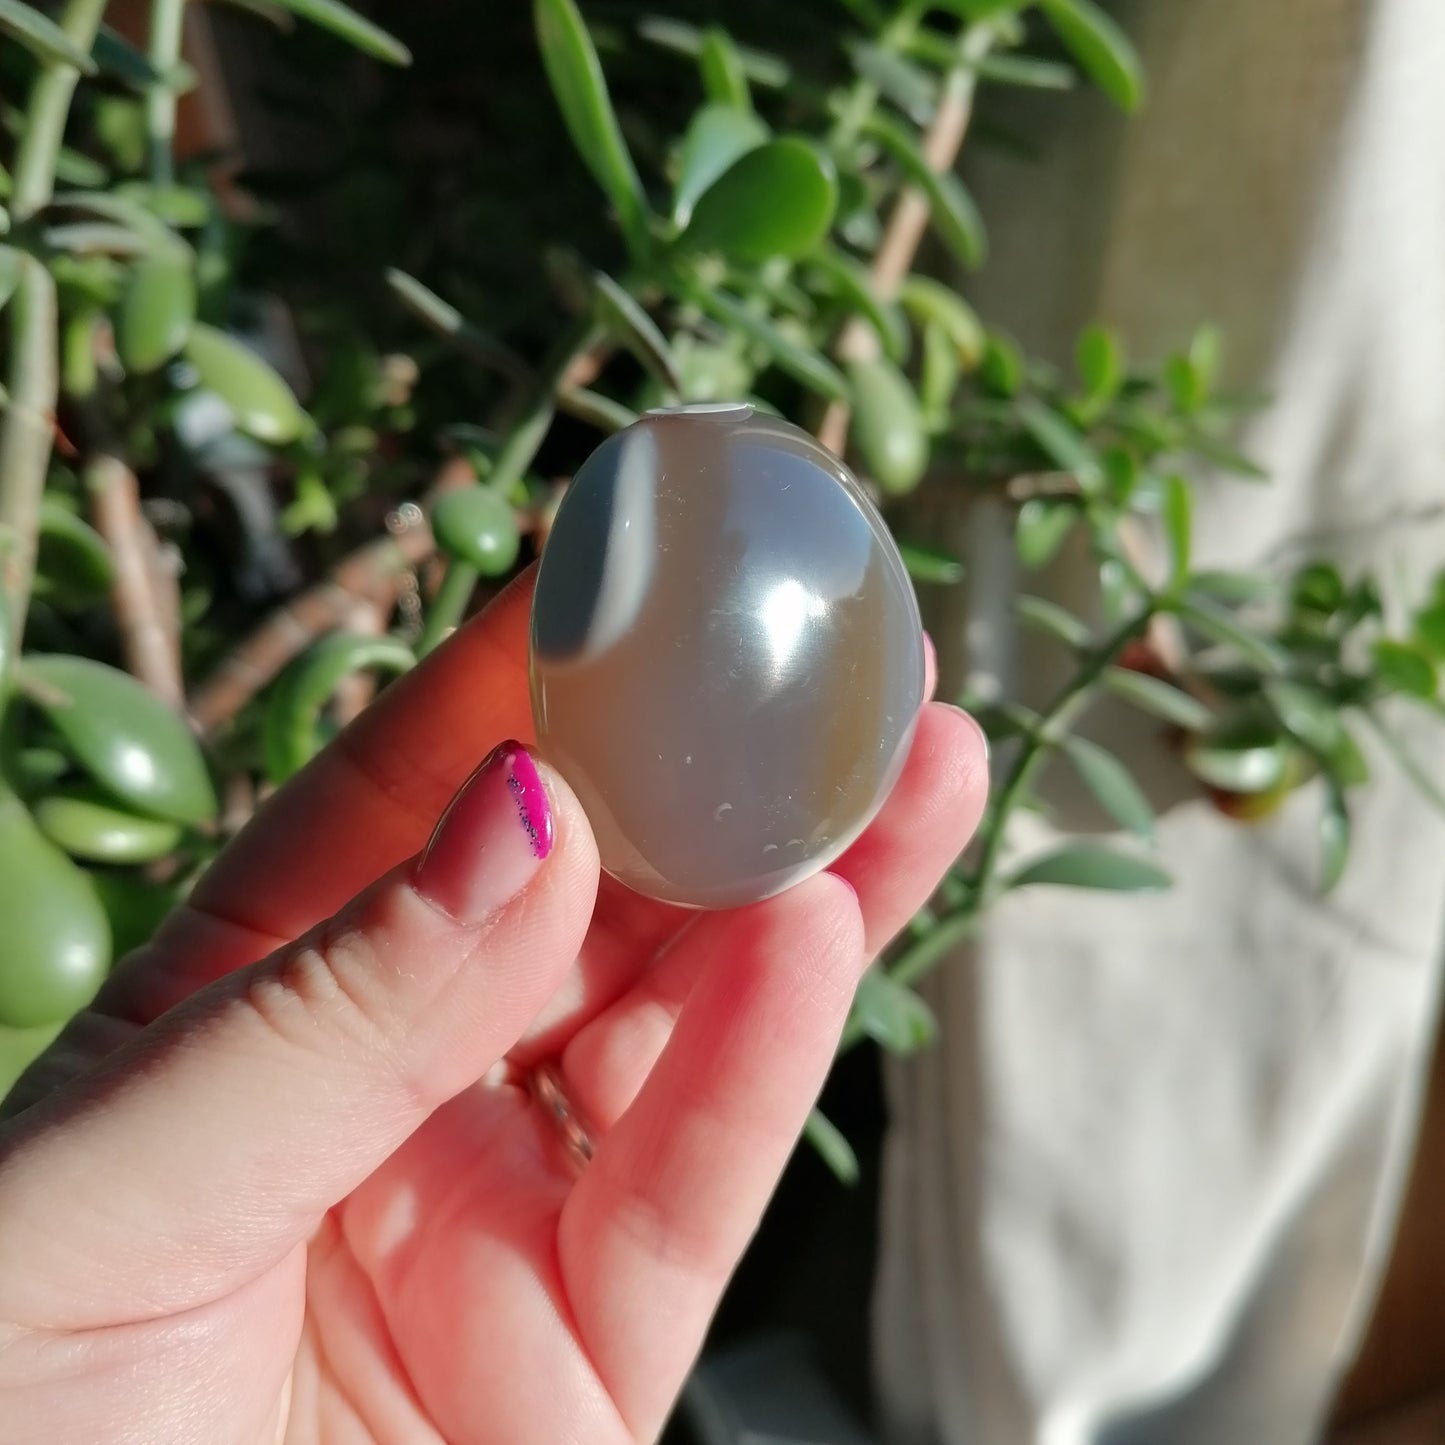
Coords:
pixel 285 1180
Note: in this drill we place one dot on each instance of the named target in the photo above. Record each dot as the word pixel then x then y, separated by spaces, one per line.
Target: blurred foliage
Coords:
pixel 473 267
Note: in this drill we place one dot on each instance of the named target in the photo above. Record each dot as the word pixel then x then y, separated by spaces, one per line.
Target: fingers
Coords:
pixel 662 1213
pixel 223 1133
pixel 357 810
pixel 926 822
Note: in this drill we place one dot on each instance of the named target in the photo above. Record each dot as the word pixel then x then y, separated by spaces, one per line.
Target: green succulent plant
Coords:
pixel 755 235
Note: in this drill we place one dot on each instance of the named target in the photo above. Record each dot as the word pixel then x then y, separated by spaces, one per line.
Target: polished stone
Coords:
pixel 727 661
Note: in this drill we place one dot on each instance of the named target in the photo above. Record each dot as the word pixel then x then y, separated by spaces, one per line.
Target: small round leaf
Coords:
pixel 264 406
pixel 777 200
pixel 478 528
pixel 124 737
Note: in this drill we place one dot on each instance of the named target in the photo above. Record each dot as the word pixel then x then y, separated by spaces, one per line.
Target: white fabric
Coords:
pixel 1143 1188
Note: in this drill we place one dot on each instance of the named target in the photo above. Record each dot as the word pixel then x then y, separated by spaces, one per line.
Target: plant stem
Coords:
pixel 1057 718
pixel 909 218
pixel 46 114
pixel 28 428
pixel 167 20
pixel 449 605
pixel 517 454
pixel 27 433
pixel 148 613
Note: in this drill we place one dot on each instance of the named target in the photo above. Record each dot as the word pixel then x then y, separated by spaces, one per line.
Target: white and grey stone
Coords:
pixel 727 660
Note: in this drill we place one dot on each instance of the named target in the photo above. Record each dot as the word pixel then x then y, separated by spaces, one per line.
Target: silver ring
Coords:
pixel 544 1083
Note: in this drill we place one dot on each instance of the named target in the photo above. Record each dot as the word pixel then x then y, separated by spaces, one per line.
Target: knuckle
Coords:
pixel 320 993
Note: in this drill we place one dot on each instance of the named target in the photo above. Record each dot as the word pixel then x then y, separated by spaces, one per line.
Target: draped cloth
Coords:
pixel 1143 1188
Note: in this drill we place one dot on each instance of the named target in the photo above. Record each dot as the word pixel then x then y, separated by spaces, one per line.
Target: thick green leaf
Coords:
pixel 1122 473
pixel 931 301
pixel 175 206
pixel 955 216
pixel 849 280
pixel 1318 588
pixel 291 732
pixel 1100 360
pixel 446 320
pixel 115 55
pixel 1403 667
pixel 581 93
pixel 1309 715
pixel 40 35
pixel 1226 458
pixel 939 374
pixel 88 825
pixel 723 76
pixel 263 405
pixel 1362 602
pixel 1113 785
pixel 9 273
pixel 1206 349
pixel 776 200
pixel 1026 70
pixel 1001 369
pixel 357 31
pixel 129 741
pixel 1334 837
pixel 982 9
pixel 1043 523
pixel 72 553
pixel 911 88
pixel 927 564
pixel 1430 629
pixel 475 526
pixel 126 211
pixel 597 410
pixel 1185 383
pixel 1045 616
pixel 888 425
pixel 1102 50
pixel 1242 759
pixel 157 309
pixel 893 1015
pixel 57 940
pixel 834 1150
pixel 1176 512
pixel 1234 587
pixel 717 136
pixel 760 67
pixel 801 362
pixel 1219 625
pixel 1346 762
pixel 1061 442
pixel 1118 593
pixel 97 238
pixel 1089 865
pixel 1159 698
pixel 625 320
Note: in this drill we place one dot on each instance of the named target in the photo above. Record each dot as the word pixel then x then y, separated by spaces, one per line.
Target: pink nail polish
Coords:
pixel 491 840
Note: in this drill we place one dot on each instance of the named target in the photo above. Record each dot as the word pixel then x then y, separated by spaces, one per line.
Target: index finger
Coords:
pixel 367 802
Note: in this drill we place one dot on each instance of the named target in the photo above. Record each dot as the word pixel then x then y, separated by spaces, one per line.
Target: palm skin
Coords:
pixel 430 1265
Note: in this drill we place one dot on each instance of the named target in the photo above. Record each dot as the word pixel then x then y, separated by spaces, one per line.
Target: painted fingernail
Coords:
pixel 491 840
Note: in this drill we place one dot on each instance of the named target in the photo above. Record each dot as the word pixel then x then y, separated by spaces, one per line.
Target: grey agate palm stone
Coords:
pixel 727 660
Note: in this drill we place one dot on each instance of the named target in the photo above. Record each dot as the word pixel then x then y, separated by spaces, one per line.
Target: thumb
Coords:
pixel 206 1149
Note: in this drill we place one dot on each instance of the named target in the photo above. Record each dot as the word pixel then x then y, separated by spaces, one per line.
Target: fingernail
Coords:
pixel 491 840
